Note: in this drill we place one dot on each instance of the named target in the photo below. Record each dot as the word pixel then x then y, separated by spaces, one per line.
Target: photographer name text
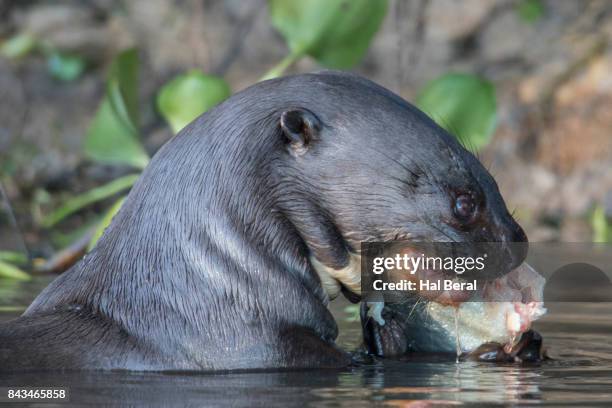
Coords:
pixel 426 285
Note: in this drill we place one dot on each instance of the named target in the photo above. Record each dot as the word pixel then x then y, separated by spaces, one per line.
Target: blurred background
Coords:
pixel 90 89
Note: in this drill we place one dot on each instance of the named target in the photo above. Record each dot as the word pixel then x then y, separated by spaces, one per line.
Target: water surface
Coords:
pixel 577 335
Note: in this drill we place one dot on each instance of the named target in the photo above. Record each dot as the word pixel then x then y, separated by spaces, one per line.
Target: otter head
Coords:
pixel 361 164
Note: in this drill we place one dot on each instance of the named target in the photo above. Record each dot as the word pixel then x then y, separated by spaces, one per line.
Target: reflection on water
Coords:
pixel 576 334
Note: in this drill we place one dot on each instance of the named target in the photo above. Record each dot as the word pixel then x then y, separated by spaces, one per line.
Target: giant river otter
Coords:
pixel 243 226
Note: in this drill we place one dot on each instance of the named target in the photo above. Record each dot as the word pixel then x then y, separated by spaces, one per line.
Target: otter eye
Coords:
pixel 464 207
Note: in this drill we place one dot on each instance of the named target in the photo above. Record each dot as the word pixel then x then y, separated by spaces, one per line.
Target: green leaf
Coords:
pixel 9 271
pixel 336 33
pixel 530 11
pixel 65 67
pixel 99 193
pixel 110 140
pixel 113 134
pixel 122 86
pixel 105 222
pixel 602 229
pixel 13 257
pixel 187 96
pixel 12 309
pixel 18 46
pixel 464 105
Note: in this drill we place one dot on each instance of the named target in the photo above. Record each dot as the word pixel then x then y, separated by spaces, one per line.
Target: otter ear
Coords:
pixel 300 127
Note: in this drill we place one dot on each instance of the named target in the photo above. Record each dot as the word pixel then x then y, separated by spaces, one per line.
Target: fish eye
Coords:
pixel 464 207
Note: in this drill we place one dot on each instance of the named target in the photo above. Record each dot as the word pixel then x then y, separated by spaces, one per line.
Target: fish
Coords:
pixel 495 324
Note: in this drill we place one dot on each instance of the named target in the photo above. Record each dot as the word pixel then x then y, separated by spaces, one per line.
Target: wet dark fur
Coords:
pixel 206 265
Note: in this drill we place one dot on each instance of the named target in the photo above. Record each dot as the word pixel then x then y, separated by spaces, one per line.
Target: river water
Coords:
pixel 578 337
